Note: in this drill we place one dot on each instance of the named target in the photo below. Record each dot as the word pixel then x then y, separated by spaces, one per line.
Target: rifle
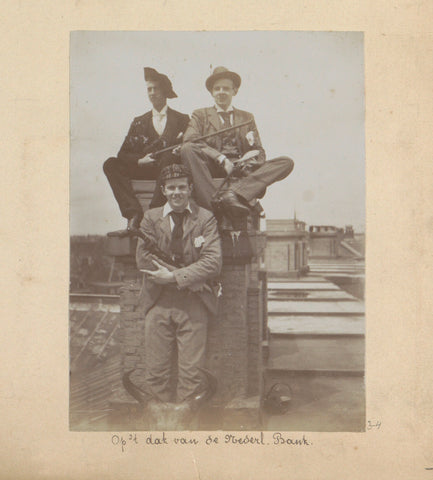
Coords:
pixel 153 248
pixel 203 137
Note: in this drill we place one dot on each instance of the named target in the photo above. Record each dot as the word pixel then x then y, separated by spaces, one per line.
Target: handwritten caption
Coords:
pixel 131 440
pixel 373 424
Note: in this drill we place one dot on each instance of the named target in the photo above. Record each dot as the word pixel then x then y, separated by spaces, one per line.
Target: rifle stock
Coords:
pixel 154 249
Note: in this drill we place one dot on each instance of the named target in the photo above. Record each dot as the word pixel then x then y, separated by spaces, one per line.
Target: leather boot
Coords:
pixel 133 224
pixel 230 202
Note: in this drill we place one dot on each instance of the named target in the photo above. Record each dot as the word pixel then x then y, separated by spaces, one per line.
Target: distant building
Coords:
pixel 91 268
pixel 327 241
pixel 286 252
pixel 349 232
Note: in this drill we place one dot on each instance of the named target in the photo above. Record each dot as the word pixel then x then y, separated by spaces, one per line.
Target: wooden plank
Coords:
pixel 328 273
pixel 334 295
pixel 314 325
pixel 306 279
pixel 302 286
pixel 323 308
pixel 336 265
pixel 336 268
pixel 345 275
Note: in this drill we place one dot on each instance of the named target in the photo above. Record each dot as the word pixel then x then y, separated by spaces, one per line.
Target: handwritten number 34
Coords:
pixel 371 425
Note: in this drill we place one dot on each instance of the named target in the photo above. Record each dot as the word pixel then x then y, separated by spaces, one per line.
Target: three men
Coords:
pixel 178 302
pixel 159 128
pixel 215 157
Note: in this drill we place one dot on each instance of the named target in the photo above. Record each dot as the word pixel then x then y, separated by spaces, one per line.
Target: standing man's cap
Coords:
pixel 223 72
pixel 152 74
pixel 175 171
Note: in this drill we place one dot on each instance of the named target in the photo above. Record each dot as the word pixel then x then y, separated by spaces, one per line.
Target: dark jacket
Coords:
pixel 142 137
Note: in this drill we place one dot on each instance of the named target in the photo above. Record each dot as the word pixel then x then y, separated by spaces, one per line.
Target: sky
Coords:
pixel 305 89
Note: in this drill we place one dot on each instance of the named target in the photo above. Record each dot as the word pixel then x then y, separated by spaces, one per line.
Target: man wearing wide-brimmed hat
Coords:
pixel 216 156
pixel 159 128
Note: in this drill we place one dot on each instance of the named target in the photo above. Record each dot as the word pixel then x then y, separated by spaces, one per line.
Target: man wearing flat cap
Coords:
pixel 217 155
pixel 157 129
pixel 178 302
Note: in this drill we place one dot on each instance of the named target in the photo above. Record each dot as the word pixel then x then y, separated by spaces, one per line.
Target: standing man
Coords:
pixel 214 157
pixel 157 129
pixel 178 302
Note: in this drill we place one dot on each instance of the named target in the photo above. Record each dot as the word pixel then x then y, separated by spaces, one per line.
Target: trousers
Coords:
pixel 119 174
pixel 203 169
pixel 178 321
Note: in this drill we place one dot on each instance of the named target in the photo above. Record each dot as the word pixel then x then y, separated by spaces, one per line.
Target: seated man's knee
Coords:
pixel 109 164
pixel 288 164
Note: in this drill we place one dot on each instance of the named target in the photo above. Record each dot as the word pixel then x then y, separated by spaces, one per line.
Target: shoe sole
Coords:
pixel 119 233
pixel 238 211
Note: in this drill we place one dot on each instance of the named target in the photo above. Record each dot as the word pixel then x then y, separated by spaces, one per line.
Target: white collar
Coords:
pixel 167 209
pixel 219 109
pixel 162 113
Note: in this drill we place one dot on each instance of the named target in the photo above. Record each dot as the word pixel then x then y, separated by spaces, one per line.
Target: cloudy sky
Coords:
pixel 305 89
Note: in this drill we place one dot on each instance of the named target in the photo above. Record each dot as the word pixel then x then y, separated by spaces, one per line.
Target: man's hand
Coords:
pixel 161 275
pixel 227 165
pixel 146 159
pixel 176 150
pixel 249 155
pixel 249 162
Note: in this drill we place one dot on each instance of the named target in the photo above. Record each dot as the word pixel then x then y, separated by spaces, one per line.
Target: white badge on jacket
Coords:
pixel 198 241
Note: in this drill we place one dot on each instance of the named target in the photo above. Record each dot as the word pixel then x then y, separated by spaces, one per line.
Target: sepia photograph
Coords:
pixel 216 239
pixel 217 231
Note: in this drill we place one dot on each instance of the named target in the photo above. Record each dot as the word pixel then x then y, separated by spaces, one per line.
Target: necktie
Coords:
pixel 226 119
pixel 228 139
pixel 176 235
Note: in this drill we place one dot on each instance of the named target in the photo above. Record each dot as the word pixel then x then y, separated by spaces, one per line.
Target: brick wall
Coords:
pixel 234 336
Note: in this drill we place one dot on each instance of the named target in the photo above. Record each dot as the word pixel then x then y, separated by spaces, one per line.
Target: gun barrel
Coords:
pixel 204 137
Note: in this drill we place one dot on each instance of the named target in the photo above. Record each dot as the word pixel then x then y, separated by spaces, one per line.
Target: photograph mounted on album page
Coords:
pixel 281 342
pixel 219 241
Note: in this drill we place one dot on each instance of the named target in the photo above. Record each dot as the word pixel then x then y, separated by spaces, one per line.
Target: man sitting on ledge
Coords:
pixel 214 157
pixel 159 128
